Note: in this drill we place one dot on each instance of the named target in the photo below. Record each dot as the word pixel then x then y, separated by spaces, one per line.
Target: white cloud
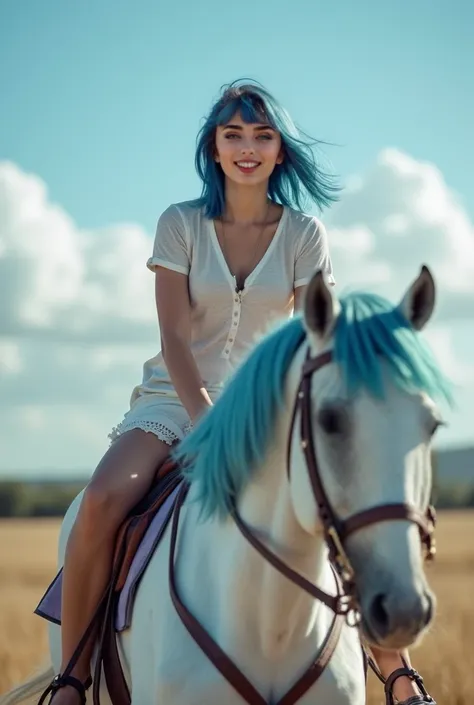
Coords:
pixel 32 418
pixel 10 358
pixel 395 217
pixel 459 368
pixel 77 313
pixel 43 439
pixel 50 373
pixel 61 282
pixel 58 410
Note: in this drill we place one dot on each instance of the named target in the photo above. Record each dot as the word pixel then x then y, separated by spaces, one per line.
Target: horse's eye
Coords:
pixel 437 423
pixel 332 420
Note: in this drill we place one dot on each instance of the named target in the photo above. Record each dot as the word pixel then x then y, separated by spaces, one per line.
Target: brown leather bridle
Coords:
pixel 336 531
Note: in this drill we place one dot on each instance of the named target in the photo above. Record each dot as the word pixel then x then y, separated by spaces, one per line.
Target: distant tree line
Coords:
pixel 454 496
pixel 23 499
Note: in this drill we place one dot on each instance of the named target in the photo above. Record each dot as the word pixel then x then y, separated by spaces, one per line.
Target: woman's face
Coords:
pixel 247 152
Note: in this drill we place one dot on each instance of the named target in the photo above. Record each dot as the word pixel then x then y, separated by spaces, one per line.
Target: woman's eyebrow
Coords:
pixel 239 127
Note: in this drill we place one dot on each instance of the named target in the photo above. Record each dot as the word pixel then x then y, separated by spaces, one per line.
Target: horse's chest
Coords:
pixel 185 676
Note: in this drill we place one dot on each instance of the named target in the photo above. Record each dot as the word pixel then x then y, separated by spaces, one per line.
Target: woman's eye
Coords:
pixel 231 136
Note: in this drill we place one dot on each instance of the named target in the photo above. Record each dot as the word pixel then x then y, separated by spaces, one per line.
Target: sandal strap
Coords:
pixel 61 681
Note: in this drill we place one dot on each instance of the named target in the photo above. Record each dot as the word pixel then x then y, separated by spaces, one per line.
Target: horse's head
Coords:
pixel 372 415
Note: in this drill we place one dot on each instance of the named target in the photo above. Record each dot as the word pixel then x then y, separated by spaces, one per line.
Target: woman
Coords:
pixel 225 266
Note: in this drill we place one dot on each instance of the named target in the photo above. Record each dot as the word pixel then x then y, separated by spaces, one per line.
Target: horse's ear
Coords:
pixel 320 307
pixel 419 301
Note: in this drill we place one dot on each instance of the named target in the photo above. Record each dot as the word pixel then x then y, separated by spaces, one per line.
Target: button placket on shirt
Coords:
pixel 236 309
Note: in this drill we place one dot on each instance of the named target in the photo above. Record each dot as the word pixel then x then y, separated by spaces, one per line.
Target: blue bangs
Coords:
pixel 250 110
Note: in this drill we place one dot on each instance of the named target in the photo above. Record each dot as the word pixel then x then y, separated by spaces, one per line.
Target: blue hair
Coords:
pixel 230 442
pixel 293 183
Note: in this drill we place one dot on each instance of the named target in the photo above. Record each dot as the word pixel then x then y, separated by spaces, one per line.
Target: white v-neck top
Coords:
pixel 226 322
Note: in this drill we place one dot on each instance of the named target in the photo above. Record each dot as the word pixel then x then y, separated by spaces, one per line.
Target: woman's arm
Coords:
pixel 299 298
pixel 174 309
pixel 312 255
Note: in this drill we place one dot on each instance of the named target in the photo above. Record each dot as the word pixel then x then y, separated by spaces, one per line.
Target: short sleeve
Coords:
pixel 170 248
pixel 313 254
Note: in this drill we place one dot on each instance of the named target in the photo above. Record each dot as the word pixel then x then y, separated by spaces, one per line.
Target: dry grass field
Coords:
pixel 445 659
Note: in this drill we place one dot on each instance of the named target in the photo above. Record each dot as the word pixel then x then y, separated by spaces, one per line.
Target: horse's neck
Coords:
pixel 251 591
pixel 282 611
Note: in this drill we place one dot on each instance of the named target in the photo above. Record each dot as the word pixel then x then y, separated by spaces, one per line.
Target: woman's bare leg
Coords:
pixel 121 479
pixel 388 662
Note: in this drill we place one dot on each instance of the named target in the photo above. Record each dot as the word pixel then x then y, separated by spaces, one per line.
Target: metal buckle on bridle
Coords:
pixel 429 538
pixel 340 556
pixel 344 604
pixel 347 607
pixel 430 543
pixel 347 604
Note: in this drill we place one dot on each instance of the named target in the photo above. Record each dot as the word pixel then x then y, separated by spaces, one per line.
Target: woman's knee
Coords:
pixel 99 513
pixel 120 481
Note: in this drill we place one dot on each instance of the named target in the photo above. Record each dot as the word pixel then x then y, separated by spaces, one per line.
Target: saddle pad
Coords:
pixel 50 605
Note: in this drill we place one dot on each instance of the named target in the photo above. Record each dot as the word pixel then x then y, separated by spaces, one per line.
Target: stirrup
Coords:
pixel 62 681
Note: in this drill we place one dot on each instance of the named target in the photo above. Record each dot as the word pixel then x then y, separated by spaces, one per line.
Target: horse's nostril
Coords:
pixel 429 609
pixel 379 615
pixel 388 613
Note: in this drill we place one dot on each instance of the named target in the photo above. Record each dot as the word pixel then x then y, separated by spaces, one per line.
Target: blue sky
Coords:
pixel 101 105
pixel 104 101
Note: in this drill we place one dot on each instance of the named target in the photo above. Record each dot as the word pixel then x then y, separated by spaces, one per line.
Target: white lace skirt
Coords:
pixel 164 416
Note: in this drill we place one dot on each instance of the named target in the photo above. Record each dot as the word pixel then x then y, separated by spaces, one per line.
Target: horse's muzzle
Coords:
pixel 397 618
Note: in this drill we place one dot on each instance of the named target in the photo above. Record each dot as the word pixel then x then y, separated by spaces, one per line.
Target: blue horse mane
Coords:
pixel 231 440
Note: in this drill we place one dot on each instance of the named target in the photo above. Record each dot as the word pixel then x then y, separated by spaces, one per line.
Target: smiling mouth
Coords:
pixel 247 167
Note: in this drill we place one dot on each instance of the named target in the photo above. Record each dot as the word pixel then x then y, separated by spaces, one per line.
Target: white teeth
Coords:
pixel 247 165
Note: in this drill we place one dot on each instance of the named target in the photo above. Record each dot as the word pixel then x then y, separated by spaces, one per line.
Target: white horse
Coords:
pixel 372 417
